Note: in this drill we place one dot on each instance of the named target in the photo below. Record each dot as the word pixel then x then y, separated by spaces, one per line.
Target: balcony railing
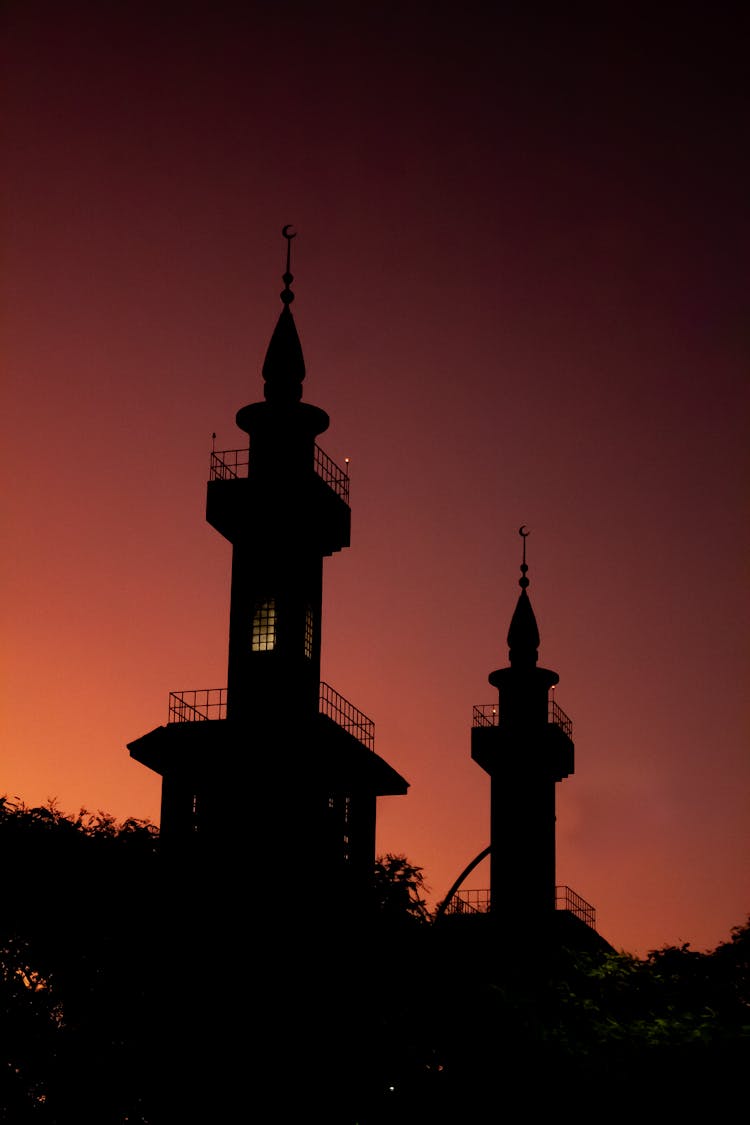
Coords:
pixel 488 715
pixel 197 706
pixel 556 715
pixel 485 715
pixel 567 899
pixel 347 716
pixel 469 902
pixel 478 902
pixel 211 703
pixel 230 464
pixel 334 476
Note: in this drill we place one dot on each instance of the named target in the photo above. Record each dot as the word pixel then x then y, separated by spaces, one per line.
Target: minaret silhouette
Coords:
pixel 276 775
pixel 525 744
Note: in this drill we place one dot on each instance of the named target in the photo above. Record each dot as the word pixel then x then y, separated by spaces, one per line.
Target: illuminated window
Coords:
pixel 264 627
pixel 308 633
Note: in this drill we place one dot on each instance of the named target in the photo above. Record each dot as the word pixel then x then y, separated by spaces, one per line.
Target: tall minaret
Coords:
pixel 282 518
pixel 524 743
pixel 277 771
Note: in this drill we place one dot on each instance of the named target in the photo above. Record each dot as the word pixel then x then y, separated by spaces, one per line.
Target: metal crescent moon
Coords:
pixel 521 530
pixel 285 231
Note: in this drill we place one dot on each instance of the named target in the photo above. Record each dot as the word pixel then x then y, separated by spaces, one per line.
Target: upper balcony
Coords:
pixel 230 464
pixel 205 704
pixel 198 705
pixel 488 715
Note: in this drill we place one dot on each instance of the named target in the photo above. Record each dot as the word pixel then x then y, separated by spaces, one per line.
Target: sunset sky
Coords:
pixel 521 282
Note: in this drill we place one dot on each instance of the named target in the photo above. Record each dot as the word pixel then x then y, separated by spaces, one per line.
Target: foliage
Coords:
pixel 95 978
pixel 399 889
pixel 74 978
pixel 472 1029
pixel 675 997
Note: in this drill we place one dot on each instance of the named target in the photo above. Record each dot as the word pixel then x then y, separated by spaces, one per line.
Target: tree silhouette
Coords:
pixel 75 977
pixel 399 889
pixel 92 990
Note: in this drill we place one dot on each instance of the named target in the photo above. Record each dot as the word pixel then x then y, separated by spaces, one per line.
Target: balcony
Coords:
pixel 469 902
pixel 197 706
pixel 478 902
pixel 485 715
pixel 567 899
pixel 346 715
pixel 205 704
pixel 334 476
pixel 488 715
pixel 231 464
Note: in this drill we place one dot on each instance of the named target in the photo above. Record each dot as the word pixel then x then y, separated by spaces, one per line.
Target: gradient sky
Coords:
pixel 521 278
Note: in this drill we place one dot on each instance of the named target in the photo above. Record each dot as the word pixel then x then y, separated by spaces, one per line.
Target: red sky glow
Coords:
pixel 521 283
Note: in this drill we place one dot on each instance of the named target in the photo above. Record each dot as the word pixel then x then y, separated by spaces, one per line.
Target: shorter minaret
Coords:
pixel 524 742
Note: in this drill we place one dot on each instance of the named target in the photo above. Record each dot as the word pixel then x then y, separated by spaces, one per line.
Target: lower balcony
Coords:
pixel 478 902
pixel 206 704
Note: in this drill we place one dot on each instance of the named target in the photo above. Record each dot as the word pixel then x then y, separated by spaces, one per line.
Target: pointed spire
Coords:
pixel 523 634
pixel 284 365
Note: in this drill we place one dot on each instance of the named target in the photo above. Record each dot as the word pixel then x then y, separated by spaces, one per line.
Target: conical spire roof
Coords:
pixel 523 634
pixel 284 365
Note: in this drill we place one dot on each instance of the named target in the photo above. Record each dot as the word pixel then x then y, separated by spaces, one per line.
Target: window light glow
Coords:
pixel 264 627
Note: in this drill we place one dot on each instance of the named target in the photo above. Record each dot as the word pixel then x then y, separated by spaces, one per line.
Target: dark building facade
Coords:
pixel 277 766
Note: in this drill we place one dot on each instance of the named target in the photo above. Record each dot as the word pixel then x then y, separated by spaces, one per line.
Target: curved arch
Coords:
pixel 466 871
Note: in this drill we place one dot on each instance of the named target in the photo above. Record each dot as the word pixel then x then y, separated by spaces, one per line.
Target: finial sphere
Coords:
pixel 523 581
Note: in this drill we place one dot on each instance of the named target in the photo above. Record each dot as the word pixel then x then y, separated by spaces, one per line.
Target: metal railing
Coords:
pixel 478 902
pixel 469 902
pixel 567 899
pixel 198 705
pixel 346 715
pixel 488 715
pixel 334 476
pixel 202 704
pixel 230 464
pixel 485 715
pixel 556 715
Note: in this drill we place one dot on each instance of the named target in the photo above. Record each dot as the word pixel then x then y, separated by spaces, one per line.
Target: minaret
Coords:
pixel 524 742
pixel 289 512
pixel 276 768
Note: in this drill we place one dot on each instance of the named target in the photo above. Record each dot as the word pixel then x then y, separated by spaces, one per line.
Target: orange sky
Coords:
pixel 521 279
